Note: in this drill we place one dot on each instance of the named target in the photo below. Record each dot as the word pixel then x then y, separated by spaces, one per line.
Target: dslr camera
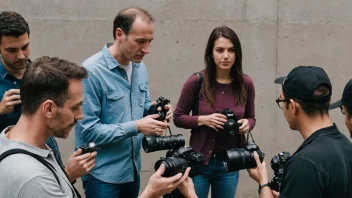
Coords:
pixel 242 158
pixel 160 102
pixel 231 126
pixel 177 161
pixel 88 148
pixel 278 163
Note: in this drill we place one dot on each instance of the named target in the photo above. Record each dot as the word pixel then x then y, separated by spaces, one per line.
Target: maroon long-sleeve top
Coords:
pixel 205 139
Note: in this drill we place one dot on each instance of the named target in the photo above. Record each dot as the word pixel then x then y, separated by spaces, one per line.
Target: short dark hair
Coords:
pixel 48 78
pixel 12 24
pixel 312 108
pixel 127 16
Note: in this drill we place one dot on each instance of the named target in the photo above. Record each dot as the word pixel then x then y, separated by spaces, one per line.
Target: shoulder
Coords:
pixel 247 80
pixel 92 61
pixel 20 169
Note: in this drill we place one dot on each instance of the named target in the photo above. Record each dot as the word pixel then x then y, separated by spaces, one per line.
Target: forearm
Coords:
pixel 185 121
pixel 102 134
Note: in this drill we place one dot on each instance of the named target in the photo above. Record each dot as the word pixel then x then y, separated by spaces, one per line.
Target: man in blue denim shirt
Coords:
pixel 116 105
pixel 15 51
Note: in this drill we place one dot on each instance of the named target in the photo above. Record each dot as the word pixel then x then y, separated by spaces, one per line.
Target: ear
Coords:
pixel 49 109
pixel 119 34
pixel 294 106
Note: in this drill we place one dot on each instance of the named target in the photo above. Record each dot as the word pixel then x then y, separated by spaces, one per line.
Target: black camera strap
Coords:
pixel 41 160
pixel 249 133
pixel 197 93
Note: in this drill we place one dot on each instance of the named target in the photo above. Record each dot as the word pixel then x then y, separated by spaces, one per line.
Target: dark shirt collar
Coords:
pixel 321 132
pixel 3 72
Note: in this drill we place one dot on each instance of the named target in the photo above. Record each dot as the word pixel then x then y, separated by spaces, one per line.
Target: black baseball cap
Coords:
pixel 346 97
pixel 302 82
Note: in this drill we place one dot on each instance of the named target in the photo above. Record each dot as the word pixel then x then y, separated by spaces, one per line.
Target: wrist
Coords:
pixel 200 120
pixel 266 185
pixel 69 175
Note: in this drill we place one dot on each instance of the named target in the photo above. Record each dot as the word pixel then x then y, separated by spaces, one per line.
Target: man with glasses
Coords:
pixel 322 165
pixel 345 105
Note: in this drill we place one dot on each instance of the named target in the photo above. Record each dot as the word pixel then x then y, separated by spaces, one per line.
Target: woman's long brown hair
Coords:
pixel 208 87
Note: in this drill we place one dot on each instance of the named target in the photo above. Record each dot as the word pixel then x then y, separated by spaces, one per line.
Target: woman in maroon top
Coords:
pixel 224 86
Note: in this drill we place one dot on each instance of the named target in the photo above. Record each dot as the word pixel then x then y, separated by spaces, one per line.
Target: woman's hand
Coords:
pixel 244 128
pixel 215 121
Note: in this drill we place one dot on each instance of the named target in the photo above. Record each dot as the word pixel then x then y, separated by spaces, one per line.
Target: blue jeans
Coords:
pixel 95 188
pixel 223 184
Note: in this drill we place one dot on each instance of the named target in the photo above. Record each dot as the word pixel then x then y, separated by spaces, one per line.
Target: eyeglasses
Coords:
pixel 342 110
pixel 279 100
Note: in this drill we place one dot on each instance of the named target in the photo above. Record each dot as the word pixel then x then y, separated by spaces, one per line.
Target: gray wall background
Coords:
pixel 276 36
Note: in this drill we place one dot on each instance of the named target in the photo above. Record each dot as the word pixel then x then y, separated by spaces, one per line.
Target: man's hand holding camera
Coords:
pixel 156 123
pixel 79 165
pixel 9 100
pixel 159 185
pixel 260 175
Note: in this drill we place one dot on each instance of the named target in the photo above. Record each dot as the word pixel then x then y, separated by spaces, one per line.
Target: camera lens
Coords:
pixel 231 126
pixel 237 159
pixel 173 165
pixel 155 143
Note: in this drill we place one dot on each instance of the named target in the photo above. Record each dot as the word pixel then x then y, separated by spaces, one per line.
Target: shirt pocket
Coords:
pixel 142 93
pixel 114 101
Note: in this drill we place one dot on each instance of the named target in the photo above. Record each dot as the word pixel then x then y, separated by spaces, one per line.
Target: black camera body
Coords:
pixel 278 163
pixel 177 161
pixel 89 147
pixel 231 126
pixel 242 158
pixel 158 143
pixel 160 102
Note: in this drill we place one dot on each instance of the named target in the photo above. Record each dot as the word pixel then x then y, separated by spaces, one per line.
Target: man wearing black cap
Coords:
pixel 322 165
pixel 345 105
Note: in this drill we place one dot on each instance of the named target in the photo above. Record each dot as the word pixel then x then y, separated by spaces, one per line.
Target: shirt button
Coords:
pixel 15 82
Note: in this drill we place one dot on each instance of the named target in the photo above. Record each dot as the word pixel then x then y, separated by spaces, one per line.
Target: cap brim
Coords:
pixel 280 80
pixel 335 105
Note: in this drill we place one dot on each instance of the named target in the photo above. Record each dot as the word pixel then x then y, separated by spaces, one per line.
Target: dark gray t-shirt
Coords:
pixel 24 176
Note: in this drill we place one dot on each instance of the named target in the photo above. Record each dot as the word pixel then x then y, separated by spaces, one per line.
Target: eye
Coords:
pixel 219 50
pixel 11 50
pixel 231 50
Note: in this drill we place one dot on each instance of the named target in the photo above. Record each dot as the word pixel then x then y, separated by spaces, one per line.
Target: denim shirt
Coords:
pixel 7 82
pixel 111 107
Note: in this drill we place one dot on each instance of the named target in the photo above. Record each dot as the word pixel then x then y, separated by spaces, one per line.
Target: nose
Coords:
pixel 20 55
pixel 79 115
pixel 145 48
pixel 226 55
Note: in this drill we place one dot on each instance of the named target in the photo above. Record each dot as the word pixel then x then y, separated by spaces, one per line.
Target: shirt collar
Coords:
pixel 3 72
pixel 110 60
pixel 321 132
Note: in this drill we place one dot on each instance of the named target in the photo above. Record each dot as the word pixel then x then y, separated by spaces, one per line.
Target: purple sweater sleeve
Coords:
pixel 182 117
pixel 250 106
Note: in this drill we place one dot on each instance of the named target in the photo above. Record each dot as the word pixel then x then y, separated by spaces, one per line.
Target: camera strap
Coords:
pixel 249 133
pixel 41 160
pixel 197 93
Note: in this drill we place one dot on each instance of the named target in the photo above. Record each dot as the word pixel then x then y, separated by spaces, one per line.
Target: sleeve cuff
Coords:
pixel 130 128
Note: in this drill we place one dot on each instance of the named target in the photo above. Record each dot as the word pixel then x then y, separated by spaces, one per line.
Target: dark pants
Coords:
pixel 95 188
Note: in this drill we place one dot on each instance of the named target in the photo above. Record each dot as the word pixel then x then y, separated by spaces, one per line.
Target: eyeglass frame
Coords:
pixel 343 111
pixel 278 100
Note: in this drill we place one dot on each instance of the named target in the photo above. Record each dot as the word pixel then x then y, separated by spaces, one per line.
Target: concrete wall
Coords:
pixel 276 35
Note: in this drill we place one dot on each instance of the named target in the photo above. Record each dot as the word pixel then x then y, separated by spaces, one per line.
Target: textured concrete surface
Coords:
pixel 276 35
